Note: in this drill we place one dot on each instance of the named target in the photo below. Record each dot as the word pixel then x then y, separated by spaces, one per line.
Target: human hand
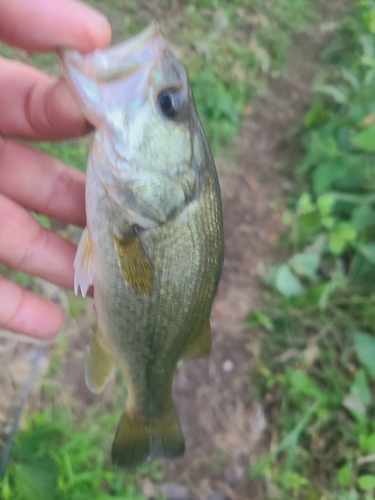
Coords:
pixel 35 106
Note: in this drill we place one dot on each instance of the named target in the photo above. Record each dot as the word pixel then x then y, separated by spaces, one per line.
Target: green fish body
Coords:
pixel 153 245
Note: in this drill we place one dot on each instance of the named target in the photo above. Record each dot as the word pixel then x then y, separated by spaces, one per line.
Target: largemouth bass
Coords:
pixel 153 244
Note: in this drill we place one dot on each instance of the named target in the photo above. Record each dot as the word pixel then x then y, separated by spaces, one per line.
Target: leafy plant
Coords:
pixel 245 44
pixel 53 459
pixel 318 362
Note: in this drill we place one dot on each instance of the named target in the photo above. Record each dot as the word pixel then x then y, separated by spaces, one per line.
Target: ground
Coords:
pixel 223 422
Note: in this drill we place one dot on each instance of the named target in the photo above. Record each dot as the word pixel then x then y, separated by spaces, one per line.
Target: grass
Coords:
pixel 54 458
pixel 317 374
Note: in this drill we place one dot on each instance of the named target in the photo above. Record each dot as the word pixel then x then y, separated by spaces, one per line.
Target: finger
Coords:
pixel 23 312
pixel 47 24
pixel 41 183
pixel 35 106
pixel 27 246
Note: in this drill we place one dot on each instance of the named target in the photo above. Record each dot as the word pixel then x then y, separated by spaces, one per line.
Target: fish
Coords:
pixel 153 244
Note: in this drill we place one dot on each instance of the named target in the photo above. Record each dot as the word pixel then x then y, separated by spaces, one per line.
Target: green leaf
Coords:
pixel 325 204
pixel 351 78
pixel 291 439
pixel 368 251
pixel 365 349
pixel 345 475
pixel 258 317
pixel 271 276
pixel 286 282
pixel 365 139
pixel 301 384
pixel 321 147
pixel 316 114
pixel 360 389
pixel 325 176
pixel 367 443
pixel 362 218
pixel 340 237
pixel 366 482
pixel 336 94
pixel 305 264
pixel 369 19
pixel 305 204
pixel 338 281
pixel 36 480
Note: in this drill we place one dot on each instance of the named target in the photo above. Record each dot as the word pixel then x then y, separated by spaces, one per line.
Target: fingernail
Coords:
pixel 98 18
pixel 102 20
pixel 103 28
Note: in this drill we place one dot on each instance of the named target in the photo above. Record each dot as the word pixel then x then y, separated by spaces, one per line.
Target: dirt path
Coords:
pixel 223 423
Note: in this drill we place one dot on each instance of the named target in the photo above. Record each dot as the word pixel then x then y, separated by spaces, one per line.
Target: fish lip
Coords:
pixel 120 60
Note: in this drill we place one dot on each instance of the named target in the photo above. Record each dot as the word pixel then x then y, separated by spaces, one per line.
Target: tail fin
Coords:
pixel 138 439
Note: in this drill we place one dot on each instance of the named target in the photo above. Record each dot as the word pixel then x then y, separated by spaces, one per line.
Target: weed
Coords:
pixel 54 459
pixel 228 66
pixel 318 373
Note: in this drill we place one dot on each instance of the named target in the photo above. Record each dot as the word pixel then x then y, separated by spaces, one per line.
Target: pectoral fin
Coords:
pixel 99 364
pixel 83 265
pixel 201 345
pixel 135 263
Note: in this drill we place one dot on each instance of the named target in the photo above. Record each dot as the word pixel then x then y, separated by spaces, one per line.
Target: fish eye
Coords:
pixel 169 102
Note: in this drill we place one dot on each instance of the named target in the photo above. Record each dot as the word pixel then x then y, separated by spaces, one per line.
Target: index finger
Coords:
pixel 48 24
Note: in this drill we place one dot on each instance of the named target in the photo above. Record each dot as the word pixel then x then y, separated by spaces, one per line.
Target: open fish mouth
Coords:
pixel 118 61
pixel 115 75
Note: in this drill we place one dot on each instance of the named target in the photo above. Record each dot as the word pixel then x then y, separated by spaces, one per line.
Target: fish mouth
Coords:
pixel 119 61
pixel 108 83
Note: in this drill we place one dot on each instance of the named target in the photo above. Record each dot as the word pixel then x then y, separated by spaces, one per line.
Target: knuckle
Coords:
pixel 60 187
pixel 36 246
pixel 11 303
pixel 36 111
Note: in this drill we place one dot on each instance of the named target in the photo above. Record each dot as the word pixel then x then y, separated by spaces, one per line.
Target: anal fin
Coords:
pixel 83 264
pixel 201 345
pixel 139 438
pixel 135 263
pixel 99 364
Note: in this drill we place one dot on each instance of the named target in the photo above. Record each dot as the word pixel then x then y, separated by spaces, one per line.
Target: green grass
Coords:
pixel 236 47
pixel 63 451
pixel 53 458
pixel 317 374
